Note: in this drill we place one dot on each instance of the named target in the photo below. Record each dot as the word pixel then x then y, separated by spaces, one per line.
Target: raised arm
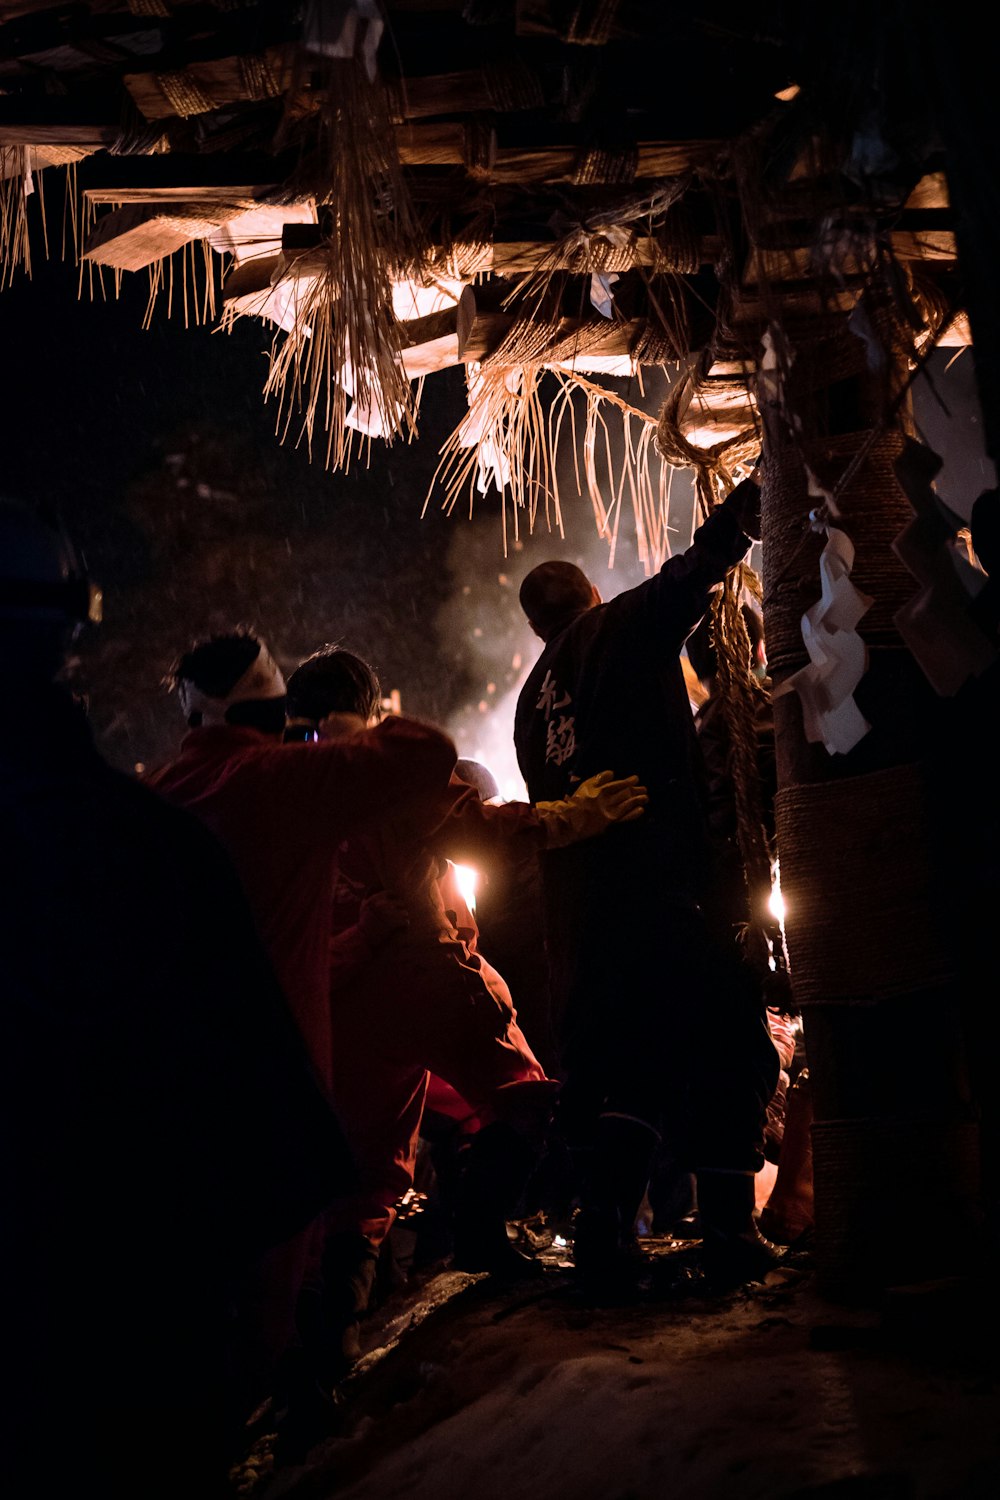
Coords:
pixel 679 595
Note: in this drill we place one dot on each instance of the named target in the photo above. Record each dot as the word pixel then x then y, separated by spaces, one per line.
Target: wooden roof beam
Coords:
pixel 135 236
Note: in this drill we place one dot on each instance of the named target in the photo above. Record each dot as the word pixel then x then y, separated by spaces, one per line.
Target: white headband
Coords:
pixel 262 679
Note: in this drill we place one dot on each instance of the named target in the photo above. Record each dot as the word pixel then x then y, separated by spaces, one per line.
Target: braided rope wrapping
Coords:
pixel 854 938
pixel 184 94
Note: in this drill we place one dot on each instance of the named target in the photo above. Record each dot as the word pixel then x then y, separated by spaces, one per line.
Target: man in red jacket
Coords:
pixel 411 996
pixel 282 811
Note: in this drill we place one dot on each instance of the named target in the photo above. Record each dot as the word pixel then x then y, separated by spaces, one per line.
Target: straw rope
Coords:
pixel 854 939
pixel 656 345
pixel 874 510
pixel 740 693
pixel 258 79
pixel 871 1177
pixel 613 165
pixel 184 93
pixel 512 85
pixel 599 240
pixel 592 22
pixel 678 241
pixel 715 468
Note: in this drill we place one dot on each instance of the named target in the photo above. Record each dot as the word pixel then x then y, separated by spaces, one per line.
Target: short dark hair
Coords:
pixel 333 681
pixel 553 594
pixel 216 665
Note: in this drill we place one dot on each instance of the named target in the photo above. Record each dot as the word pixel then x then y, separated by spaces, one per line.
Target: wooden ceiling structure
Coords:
pixel 526 188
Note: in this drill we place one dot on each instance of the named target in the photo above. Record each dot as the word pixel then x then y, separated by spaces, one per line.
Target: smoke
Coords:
pixel 482 623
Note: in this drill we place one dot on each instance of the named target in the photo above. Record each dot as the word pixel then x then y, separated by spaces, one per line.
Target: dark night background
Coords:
pixel 160 453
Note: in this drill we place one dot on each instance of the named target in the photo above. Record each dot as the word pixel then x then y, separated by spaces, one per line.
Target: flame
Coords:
pixel 467 879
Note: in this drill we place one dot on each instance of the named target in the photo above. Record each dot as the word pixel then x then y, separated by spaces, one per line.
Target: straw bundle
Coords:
pixel 345 337
pixel 15 185
pixel 715 467
pixel 601 240
pixel 741 694
pixel 511 440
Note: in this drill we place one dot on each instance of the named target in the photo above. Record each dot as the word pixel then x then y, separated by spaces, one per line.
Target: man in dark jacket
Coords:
pixel 160 1125
pixel 644 972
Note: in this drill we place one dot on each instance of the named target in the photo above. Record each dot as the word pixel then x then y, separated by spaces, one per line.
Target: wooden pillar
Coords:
pixel 871 946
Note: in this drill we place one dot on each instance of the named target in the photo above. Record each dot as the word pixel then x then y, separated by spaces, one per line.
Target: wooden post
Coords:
pixel 863 848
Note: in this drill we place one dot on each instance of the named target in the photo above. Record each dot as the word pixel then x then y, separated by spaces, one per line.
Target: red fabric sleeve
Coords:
pixel 344 784
pixel 472 829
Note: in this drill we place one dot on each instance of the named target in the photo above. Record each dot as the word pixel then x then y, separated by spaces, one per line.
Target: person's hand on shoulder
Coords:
pixel 597 803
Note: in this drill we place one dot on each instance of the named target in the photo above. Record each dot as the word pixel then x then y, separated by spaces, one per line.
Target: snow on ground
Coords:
pixel 472 1393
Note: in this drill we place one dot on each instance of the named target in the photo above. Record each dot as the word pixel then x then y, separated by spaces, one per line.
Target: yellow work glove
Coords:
pixel 597 803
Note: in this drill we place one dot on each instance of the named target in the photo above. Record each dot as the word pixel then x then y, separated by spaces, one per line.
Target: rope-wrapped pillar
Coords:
pixel 871 955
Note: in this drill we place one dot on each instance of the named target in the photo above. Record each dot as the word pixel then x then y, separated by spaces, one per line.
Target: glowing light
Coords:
pixel 467 879
pixel 786 95
pixel 776 903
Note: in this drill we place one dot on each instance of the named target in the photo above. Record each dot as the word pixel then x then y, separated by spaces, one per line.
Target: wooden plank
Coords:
pixel 201 86
pixel 40 157
pixel 430 344
pixel 504 258
pixel 136 235
pixel 927 244
pixel 509 86
pixel 242 195
pixel 958 334
pixel 438 145
pixel 512 256
pixel 801 303
pixel 481 332
pixel 68 133
pixel 256 231
pixel 251 276
pixel 789 264
pixel 443 143
pixel 931 192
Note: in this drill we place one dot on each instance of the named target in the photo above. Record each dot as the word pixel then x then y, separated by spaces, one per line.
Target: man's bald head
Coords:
pixel 553 594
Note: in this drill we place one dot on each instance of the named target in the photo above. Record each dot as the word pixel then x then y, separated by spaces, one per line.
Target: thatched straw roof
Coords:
pixel 581 188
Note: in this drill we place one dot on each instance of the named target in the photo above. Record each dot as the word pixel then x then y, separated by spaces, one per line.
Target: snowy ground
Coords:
pixel 472 1393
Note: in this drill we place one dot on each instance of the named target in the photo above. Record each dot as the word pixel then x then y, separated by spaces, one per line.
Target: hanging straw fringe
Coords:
pixel 345 337
pixel 16 184
pixel 511 437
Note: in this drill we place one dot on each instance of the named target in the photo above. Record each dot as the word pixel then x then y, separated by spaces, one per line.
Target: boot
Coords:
pixel 614 1177
pixel 493 1172
pixel 350 1262
pixel 328 1318
pixel 733 1249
